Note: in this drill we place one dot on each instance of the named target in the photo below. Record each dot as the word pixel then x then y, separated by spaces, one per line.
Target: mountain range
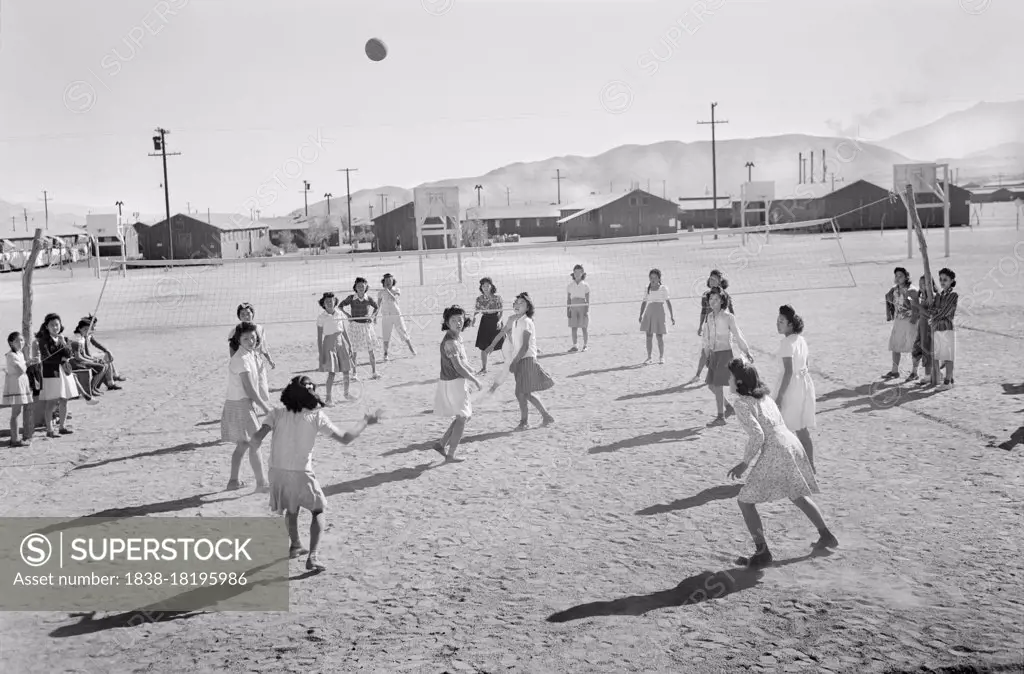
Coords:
pixel 981 143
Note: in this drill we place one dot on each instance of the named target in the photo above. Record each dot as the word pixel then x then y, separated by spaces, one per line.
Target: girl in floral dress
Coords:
pixel 362 312
pixel 782 470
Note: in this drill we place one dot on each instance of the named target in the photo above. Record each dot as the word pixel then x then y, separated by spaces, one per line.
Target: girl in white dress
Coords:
pixel 652 314
pixel 782 470
pixel 794 389
pixel 391 314
pixel 246 313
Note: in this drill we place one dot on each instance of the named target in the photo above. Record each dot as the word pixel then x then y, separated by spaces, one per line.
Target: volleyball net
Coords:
pixel 284 289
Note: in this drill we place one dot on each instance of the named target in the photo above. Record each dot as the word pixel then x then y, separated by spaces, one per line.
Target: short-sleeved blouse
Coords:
pixel 491 303
pixel 360 307
pixel 331 323
pixel 659 295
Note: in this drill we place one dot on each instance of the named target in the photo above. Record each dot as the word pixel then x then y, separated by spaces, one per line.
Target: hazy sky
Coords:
pixel 264 92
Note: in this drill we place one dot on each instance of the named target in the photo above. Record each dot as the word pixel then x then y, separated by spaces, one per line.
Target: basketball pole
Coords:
pixel 915 221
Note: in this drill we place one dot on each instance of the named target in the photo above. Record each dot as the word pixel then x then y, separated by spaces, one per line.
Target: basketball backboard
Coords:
pixel 436 210
pixel 758 190
pixel 923 178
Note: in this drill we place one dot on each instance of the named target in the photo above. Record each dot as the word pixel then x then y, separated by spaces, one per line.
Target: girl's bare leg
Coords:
pixel 949 370
pixel 458 426
pixel 257 466
pixel 810 509
pixel 524 411
pixel 575 332
pixel 753 521
pixel 291 521
pixel 540 408
pixel 330 387
pixel 804 435
pixel 661 346
pixel 483 362
pixel 346 382
pixel 373 364
pixel 586 336
pixel 62 413
pixel 650 345
pixel 719 399
pixel 387 343
pixel 28 421
pixel 316 527
pixel 15 414
pixel 895 362
pixel 236 461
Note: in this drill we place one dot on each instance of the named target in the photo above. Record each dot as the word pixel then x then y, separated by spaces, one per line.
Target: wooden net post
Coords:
pixel 26 288
pixel 915 221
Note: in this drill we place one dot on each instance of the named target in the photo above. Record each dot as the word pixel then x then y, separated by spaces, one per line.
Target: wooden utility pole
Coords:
pixel 305 196
pixel 749 165
pixel 160 145
pixel 508 195
pixel 46 208
pixel 26 287
pixel 348 202
pixel 558 177
pixel 915 221
pixel 714 163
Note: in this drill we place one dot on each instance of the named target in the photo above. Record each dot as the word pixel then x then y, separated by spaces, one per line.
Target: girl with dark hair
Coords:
pixel 451 398
pixel 59 384
pixel 293 484
pixel 715 280
pixel 942 316
pixel 898 309
pixel 721 329
pixel 332 345
pixel 361 333
pixel 392 320
pixel 80 360
pixel 94 349
pixel 794 389
pixel 18 391
pixel 652 314
pixel 246 313
pixel 577 305
pixel 491 306
pixel 530 377
pixel 921 304
pixel 238 421
pixel 782 470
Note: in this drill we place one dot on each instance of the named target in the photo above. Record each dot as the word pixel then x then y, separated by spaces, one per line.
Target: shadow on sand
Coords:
pixel 621 368
pixel 422 446
pixel 377 480
pixel 719 493
pixel 184 447
pixel 686 435
pixel 704 586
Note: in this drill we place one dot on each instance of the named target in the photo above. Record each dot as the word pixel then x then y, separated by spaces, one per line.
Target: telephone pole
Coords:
pixel 749 165
pixel 714 163
pixel 160 145
pixel 328 196
pixel 478 188
pixel 508 195
pixel 382 196
pixel 559 177
pixel 305 196
pixel 348 203
pixel 46 208
pixel 24 212
pixel 833 174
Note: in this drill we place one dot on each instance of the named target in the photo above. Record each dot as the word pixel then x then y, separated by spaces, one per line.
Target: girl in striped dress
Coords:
pixel 941 320
pixel 363 313
pixel 333 347
pixel 530 377
pixel 391 314
pixel 782 470
pixel 794 390
pixel 721 328
pixel 451 398
pixel 238 421
pixel 652 314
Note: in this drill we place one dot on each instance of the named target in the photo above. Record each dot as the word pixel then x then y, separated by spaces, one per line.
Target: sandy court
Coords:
pixel 604 543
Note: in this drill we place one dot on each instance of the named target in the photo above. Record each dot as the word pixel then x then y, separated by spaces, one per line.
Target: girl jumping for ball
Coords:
pixel 530 377
pixel 451 398
pixel 782 470
pixel 293 484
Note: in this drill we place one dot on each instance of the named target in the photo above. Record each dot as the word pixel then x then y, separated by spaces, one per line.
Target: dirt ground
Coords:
pixel 603 543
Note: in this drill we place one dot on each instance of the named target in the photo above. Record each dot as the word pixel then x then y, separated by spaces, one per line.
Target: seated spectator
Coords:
pixel 102 371
pixel 94 349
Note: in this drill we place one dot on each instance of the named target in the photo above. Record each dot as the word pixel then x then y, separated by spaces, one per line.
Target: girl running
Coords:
pixel 491 306
pixel 451 398
pixel 782 470
pixel 530 377
pixel 794 390
pixel 361 333
pixel 333 347
pixel 17 391
pixel 392 320
pixel 293 484
pixel 721 328
pixel 652 314
pixel 898 310
pixel 942 316
pixel 577 305
pixel 238 421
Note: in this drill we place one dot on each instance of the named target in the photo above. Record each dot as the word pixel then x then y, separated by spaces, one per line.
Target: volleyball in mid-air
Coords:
pixel 376 50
